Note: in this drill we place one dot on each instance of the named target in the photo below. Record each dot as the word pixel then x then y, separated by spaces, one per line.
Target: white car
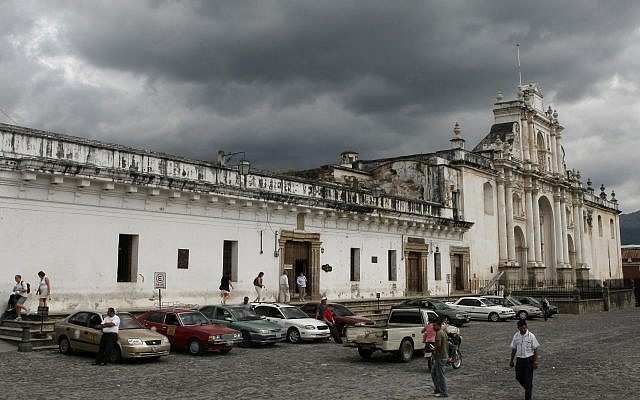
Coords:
pixel 295 322
pixel 479 308
pixel 523 311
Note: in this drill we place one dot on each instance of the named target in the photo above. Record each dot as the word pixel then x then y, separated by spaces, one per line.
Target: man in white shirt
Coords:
pixel 20 293
pixel 524 347
pixel 108 343
pixel 285 296
pixel 301 281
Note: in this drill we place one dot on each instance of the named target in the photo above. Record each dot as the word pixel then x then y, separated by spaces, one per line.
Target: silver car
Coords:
pixel 523 311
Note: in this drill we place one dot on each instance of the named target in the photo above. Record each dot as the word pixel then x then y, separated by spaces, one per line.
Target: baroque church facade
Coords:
pixel 101 218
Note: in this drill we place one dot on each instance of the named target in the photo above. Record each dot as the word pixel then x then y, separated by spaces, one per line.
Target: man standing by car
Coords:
pixel 322 307
pixel 440 357
pixel 108 343
pixel 524 346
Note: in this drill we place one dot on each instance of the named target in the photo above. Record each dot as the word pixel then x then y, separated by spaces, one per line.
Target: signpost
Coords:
pixel 448 283
pixel 160 282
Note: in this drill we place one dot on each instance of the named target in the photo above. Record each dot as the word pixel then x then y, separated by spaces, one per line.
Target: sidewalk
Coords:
pixel 7 347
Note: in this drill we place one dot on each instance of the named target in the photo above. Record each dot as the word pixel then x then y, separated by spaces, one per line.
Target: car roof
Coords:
pixel 472 297
pixel 173 310
pixel 277 305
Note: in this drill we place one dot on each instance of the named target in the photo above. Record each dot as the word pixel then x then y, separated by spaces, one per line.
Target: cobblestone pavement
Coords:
pixel 596 356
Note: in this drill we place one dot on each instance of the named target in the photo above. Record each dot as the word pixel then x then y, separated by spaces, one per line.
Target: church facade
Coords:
pixel 101 219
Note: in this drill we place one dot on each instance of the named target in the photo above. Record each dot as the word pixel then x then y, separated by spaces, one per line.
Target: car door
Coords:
pixel 467 305
pixel 481 309
pixel 171 328
pixel 77 323
pixel 272 314
pixel 92 335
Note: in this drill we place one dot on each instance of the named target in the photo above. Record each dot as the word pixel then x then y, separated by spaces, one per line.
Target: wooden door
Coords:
pixel 414 273
pixel 456 267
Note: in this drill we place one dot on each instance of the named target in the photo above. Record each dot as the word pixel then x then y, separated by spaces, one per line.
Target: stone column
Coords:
pixel 502 234
pixel 557 218
pixel 577 233
pixel 565 233
pixel 315 270
pixel 511 242
pixel 537 235
pixel 582 229
pixel 554 158
pixel 560 168
pixel 531 248
pixel 525 139
pixel 533 141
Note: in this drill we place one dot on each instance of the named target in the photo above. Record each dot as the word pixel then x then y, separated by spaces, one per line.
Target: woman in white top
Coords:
pixel 44 289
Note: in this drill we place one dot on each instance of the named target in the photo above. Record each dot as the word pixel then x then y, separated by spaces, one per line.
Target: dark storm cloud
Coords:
pixel 295 82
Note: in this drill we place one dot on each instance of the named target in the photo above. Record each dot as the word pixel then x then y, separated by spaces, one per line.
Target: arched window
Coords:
pixel 599 226
pixel 487 190
pixel 612 228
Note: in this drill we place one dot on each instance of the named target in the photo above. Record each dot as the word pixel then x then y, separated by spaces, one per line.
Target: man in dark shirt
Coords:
pixel 321 309
pixel 440 356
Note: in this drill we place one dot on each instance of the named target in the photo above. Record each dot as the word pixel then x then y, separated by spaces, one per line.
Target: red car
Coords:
pixel 343 316
pixel 191 331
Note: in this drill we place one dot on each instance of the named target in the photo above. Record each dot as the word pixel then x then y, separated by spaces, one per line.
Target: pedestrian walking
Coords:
pixel 258 286
pixel 44 289
pixel 20 293
pixel 108 342
pixel 285 295
pixel 545 308
pixel 225 287
pixel 524 347
pixel 330 320
pixel 301 281
pixel 439 362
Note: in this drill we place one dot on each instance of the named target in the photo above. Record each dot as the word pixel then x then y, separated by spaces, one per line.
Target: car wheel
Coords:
pixel 194 347
pixel 246 338
pixel 523 315
pixel 457 360
pixel 494 317
pixel 293 336
pixel 116 356
pixel 365 353
pixel 64 346
pixel 405 353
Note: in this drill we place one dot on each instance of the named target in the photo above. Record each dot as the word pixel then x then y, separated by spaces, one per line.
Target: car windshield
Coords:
pixel 439 305
pixel 128 322
pixel 533 301
pixel 515 301
pixel 341 311
pixel 193 318
pixel 293 313
pixel 244 314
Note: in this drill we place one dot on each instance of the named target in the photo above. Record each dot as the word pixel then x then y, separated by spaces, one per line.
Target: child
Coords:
pixel 429 339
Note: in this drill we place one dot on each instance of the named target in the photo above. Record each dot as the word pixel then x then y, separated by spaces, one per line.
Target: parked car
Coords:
pixel 523 311
pixel 254 328
pixel 401 335
pixel 344 317
pixel 191 331
pixel 481 309
pixel 297 325
pixel 81 332
pixel 443 310
pixel 538 303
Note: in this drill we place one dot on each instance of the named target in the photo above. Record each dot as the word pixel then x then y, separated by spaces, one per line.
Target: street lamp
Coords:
pixel 243 167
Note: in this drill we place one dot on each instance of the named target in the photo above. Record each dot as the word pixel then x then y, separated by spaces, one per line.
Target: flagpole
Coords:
pixel 518 59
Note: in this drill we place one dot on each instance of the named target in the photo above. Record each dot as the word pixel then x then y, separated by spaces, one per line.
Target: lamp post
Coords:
pixel 244 165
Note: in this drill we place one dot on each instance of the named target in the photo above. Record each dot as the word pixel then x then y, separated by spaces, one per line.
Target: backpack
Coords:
pixel 255 282
pixel 28 288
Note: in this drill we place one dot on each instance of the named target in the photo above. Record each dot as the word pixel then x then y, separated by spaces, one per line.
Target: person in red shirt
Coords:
pixel 329 318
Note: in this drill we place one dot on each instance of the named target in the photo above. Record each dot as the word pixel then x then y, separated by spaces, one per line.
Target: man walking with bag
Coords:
pixel 524 347
pixel 440 357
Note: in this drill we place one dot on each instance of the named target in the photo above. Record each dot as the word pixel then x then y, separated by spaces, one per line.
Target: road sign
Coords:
pixel 159 280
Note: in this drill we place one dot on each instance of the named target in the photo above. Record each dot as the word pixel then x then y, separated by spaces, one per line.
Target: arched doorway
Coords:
pixel 521 252
pixel 547 237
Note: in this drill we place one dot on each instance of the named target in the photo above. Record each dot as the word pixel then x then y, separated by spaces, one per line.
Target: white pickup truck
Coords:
pixel 402 334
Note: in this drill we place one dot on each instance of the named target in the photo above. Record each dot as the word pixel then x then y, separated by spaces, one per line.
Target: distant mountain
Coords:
pixel 630 228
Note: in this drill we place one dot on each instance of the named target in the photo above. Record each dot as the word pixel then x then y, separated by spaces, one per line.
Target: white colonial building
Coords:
pixel 100 219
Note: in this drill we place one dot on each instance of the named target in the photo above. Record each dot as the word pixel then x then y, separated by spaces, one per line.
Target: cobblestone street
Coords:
pixel 595 356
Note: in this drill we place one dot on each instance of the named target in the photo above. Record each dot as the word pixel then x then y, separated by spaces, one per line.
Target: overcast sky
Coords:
pixel 293 83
